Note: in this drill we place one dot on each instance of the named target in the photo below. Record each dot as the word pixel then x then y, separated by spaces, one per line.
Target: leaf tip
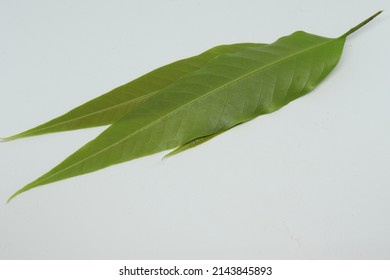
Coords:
pixel 22 190
pixel 166 157
pixel 172 153
pixel 6 139
pixel 9 138
pixel 12 197
pixel 16 194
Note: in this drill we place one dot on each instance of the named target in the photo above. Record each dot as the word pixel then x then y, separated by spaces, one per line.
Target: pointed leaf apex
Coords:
pixel 6 139
pixel 12 197
pixel 20 191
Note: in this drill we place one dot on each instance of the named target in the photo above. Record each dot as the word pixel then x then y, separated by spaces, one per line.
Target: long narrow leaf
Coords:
pixel 110 107
pixel 230 89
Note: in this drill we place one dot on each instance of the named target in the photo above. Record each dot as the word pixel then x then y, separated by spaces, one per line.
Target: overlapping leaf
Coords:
pixel 110 107
pixel 230 89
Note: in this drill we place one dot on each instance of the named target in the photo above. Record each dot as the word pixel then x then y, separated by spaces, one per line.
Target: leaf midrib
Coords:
pixel 114 106
pixel 189 103
pixel 94 113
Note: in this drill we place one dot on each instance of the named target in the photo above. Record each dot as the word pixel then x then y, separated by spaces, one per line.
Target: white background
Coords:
pixel 311 181
pixel 110 269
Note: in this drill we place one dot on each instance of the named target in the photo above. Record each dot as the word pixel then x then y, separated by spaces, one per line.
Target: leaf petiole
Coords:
pixel 352 30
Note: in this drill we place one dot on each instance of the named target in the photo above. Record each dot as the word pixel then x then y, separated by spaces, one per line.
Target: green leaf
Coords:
pixel 230 89
pixel 194 143
pixel 110 107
